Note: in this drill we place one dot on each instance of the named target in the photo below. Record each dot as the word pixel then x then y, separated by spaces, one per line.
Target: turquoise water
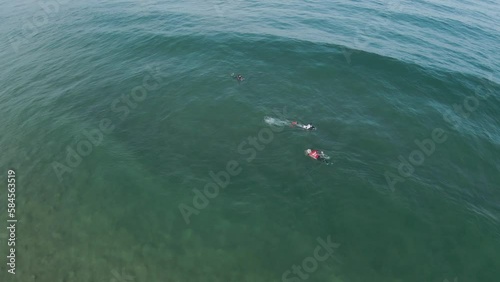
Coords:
pixel 114 112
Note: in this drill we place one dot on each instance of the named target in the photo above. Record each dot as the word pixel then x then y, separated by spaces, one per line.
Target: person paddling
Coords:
pixel 238 77
pixel 308 126
pixel 317 155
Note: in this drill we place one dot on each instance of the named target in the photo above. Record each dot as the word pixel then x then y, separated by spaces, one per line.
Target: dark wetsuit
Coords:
pixel 239 77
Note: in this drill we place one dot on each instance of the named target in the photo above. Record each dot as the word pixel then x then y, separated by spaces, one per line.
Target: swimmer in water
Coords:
pixel 238 77
pixel 317 155
pixel 308 126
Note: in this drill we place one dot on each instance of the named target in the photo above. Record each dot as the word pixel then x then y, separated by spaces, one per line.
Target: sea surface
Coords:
pixel 116 115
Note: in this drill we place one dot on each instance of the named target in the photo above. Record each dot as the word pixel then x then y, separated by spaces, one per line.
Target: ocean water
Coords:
pixel 116 114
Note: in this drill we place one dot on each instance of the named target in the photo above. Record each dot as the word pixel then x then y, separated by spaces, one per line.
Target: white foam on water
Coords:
pixel 276 121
